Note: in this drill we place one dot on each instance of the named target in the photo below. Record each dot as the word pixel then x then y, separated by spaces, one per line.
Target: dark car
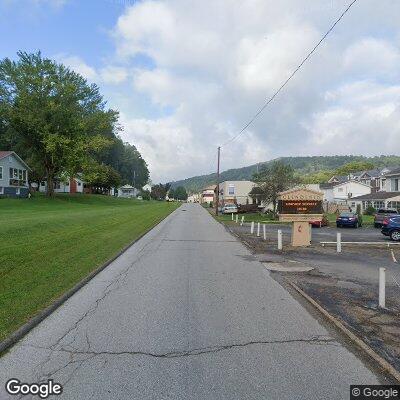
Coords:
pixel 391 227
pixel 381 214
pixel 348 219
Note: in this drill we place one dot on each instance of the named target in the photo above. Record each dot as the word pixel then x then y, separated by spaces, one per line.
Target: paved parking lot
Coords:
pixel 326 234
pixel 346 283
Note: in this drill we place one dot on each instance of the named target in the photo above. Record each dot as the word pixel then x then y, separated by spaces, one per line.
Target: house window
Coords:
pixel 396 185
pixel 1 172
pixel 231 190
pixel 79 184
pixel 18 177
pixel 57 185
pixel 43 183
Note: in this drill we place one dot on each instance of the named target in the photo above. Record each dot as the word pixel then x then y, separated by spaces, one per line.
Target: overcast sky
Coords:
pixel 187 75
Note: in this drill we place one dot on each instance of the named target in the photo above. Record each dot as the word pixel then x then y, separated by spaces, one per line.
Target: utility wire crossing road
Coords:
pixel 185 313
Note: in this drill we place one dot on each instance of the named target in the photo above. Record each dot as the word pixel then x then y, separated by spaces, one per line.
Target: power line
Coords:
pixel 290 77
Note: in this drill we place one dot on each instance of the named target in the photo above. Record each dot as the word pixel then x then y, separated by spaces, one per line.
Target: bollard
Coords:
pixel 242 221
pixel 258 229
pixel 232 216
pixel 280 240
pixel 382 284
pixel 236 218
pixel 252 227
pixel 339 242
pixel 264 232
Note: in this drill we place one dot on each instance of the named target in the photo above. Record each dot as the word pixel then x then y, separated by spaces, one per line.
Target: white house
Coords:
pixel 127 191
pixel 71 185
pixel 393 180
pixel 13 175
pixel 347 190
pixel 207 194
pixel 235 192
pixel 147 187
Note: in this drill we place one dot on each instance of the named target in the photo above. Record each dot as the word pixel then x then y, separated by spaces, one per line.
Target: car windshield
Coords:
pixel 347 214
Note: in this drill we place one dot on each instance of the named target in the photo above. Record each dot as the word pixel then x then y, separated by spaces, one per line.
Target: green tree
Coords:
pixel 273 179
pixel 51 116
pixel 316 177
pixel 171 193
pixel 180 193
pixel 159 192
pixel 354 166
pixel 100 176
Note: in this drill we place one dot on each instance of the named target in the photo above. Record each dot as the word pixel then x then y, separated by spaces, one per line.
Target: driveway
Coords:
pixel 186 313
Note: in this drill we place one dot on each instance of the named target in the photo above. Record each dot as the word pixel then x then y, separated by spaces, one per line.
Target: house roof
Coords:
pixel 328 185
pixel 7 153
pixel 395 171
pixel 377 196
pixel 127 187
pixel 211 187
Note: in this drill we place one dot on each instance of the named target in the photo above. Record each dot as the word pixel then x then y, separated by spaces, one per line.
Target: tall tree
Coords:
pixel 51 115
pixel 273 179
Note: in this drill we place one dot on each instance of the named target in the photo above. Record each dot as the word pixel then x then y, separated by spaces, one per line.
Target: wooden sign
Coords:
pixel 300 206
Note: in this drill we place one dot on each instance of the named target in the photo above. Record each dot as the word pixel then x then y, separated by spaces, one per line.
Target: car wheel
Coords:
pixel 395 235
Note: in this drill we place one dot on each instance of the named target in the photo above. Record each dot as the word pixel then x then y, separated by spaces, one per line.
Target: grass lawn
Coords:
pixel 48 245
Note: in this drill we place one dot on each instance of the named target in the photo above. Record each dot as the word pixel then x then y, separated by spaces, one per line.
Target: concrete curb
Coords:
pixel 37 319
pixel 360 343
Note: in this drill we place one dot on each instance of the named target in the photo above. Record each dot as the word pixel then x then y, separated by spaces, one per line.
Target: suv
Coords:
pixel 381 214
pixel 391 227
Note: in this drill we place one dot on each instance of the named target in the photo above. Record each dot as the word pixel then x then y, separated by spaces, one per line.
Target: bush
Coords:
pixel 369 211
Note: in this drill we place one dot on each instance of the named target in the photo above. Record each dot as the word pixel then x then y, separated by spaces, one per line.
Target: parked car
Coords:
pixel 320 224
pixel 391 227
pixel 229 209
pixel 247 208
pixel 381 214
pixel 348 219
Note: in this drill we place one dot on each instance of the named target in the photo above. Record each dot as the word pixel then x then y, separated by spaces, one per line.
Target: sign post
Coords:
pixel 300 206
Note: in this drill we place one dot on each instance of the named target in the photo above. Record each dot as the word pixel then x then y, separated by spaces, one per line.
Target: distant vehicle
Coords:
pixel 381 214
pixel 320 224
pixel 348 219
pixel 391 227
pixel 229 209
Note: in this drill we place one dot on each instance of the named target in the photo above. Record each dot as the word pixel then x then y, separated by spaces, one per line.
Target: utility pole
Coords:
pixel 217 196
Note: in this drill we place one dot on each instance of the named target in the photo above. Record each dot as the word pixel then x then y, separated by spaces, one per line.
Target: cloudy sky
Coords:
pixel 187 75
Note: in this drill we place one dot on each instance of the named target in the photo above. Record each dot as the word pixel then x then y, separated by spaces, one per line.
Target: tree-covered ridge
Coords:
pixel 312 169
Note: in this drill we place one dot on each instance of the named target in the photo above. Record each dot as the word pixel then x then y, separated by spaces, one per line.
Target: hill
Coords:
pixel 302 165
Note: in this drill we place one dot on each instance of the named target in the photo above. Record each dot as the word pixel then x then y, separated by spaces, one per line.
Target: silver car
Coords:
pixel 229 209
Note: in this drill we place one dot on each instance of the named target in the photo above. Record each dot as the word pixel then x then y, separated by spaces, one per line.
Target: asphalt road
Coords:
pixel 185 313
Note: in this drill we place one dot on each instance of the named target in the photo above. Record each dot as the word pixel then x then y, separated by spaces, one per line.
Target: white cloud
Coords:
pixel 78 65
pixel 213 64
pixel 373 57
pixel 362 118
pixel 113 74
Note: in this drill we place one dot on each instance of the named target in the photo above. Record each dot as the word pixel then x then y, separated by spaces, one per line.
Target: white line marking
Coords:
pixel 393 257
